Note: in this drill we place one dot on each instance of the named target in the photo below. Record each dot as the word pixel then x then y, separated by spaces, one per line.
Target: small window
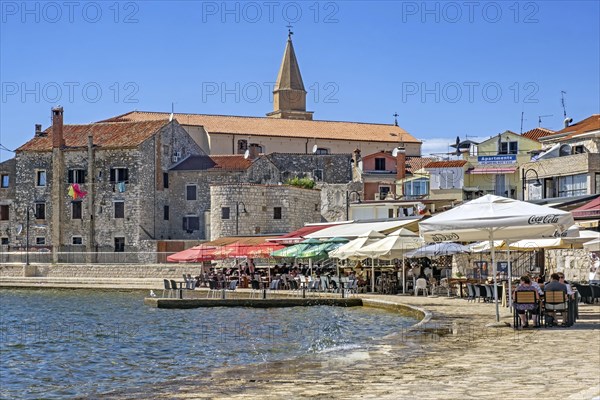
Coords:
pixel 40 210
pixel 119 244
pixel 76 210
pixel 508 148
pixel 277 213
pixel 390 213
pixel 166 213
pixel 318 174
pixel 576 150
pixel 165 180
pixel 190 191
pixel 119 175
pixel 4 212
pixel 242 146
pixel 224 212
pixel 40 241
pixel 4 241
pixel 316 206
pixel 119 209
pixel 40 179
pixel 76 176
pixel 380 164
pixel 191 223
pixel 5 181
pixel 322 151
pixel 77 240
pixel 257 148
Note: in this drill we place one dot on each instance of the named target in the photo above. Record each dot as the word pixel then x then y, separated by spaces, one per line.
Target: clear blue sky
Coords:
pixel 440 65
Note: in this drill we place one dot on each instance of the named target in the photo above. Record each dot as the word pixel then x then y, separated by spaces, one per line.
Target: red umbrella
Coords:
pixel 232 250
pixel 263 250
pixel 194 254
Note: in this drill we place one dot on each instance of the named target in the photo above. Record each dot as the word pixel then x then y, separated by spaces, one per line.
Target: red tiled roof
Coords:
pixel 106 135
pixel 220 162
pixel 265 126
pixel 590 209
pixel 446 164
pixel 416 163
pixel 537 133
pixel 589 124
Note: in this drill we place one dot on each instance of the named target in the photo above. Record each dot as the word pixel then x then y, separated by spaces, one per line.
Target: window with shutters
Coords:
pixel 119 175
pixel 76 176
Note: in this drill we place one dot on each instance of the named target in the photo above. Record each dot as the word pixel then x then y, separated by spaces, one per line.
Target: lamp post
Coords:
pixel 348 193
pixel 524 179
pixel 27 236
pixel 237 215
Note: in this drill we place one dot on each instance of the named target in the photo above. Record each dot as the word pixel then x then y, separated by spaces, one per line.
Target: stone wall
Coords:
pixel 574 263
pixel 298 206
pixel 7 198
pixel 336 168
pixel 333 199
pixel 134 271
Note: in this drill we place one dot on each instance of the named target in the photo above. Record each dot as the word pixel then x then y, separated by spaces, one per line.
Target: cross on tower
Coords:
pixel 290 33
pixel 395 119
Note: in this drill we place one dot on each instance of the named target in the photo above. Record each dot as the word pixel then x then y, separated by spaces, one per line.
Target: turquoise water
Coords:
pixel 67 343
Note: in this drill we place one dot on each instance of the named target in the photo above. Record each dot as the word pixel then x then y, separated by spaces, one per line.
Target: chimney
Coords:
pixel 568 121
pixel 401 163
pixel 57 127
pixel 254 152
pixel 38 130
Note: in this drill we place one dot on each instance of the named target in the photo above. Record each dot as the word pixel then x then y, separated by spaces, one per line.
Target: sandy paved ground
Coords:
pixel 453 356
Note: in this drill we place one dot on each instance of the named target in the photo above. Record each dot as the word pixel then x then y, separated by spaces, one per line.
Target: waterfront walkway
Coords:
pixel 452 356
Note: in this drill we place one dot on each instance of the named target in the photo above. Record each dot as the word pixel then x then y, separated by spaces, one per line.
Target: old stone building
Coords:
pixel 249 209
pixel 8 228
pixel 97 187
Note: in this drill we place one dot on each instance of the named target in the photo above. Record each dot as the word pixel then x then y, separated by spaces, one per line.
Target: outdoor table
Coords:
pixel 460 282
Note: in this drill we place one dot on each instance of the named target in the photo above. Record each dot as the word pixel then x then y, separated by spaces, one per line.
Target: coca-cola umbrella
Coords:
pixel 494 217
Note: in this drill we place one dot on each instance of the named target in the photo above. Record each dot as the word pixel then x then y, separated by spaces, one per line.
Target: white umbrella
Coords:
pixel 592 245
pixel 350 250
pixel 395 245
pixel 437 250
pixel 490 217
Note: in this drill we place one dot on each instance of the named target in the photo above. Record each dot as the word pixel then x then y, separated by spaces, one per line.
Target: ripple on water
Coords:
pixel 65 343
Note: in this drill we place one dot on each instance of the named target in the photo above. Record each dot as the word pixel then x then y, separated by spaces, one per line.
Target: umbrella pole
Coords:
pixel 403 275
pixel 509 276
pixel 372 275
pixel 495 273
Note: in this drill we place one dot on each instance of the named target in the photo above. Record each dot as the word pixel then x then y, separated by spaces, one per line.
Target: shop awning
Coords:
pixel 494 171
pixel 354 230
pixel 300 234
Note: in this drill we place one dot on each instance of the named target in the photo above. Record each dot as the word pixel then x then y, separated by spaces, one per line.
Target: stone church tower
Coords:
pixel 289 96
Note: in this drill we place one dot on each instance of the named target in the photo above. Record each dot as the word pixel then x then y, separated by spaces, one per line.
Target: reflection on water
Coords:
pixel 65 343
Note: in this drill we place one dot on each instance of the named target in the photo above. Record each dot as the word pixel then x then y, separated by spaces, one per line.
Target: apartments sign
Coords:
pixel 500 159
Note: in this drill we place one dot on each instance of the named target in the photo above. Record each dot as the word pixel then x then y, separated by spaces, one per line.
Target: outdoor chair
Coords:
pixel 191 282
pixel 422 286
pixel 555 301
pixel 585 292
pixel 489 293
pixel 167 288
pixel 525 297
pixel 175 287
pixel 350 287
pixel 232 285
pixel 213 289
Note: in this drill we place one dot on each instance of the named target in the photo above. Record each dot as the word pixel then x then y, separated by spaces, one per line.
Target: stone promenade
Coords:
pixel 452 356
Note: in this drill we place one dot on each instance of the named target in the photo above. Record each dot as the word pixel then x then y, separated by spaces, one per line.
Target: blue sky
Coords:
pixel 447 68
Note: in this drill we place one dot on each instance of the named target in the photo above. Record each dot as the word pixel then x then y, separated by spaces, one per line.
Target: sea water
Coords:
pixel 67 343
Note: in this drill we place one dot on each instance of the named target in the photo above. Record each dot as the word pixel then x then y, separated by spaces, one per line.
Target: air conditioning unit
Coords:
pixel 377 196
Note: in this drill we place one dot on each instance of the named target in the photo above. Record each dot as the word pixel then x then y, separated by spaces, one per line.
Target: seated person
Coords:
pixel 555 285
pixel 525 285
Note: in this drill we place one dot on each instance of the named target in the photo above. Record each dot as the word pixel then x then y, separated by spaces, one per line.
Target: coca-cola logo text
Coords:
pixel 444 238
pixel 543 219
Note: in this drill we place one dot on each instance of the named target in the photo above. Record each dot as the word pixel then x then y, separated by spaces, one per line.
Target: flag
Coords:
pixel 71 192
pixel 78 192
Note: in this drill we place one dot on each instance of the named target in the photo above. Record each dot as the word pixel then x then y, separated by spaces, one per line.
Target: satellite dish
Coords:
pixel 395 152
pixel 19 229
pixel 314 149
pixel 246 154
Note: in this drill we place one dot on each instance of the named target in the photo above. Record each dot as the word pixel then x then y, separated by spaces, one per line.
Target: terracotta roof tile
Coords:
pixel 208 163
pixel 589 124
pixel 106 135
pixel 537 133
pixel 264 126
pixel 414 164
pixel 446 164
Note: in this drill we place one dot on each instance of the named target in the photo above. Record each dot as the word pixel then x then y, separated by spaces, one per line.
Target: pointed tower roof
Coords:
pixel 289 76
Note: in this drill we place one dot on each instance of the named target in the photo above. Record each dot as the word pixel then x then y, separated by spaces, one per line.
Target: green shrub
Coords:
pixel 305 183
